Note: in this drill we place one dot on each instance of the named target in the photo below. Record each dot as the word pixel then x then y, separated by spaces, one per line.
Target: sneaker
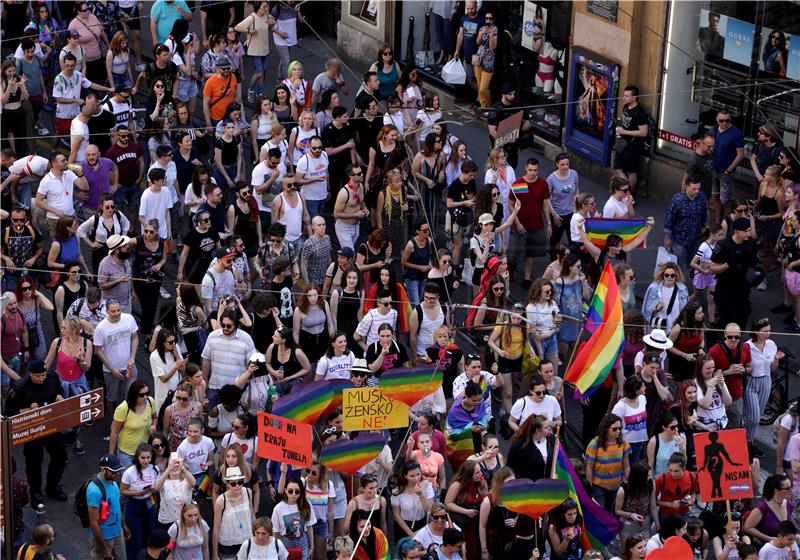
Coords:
pixel 37 502
pixel 140 67
pixel 42 131
pixel 78 448
pixel 56 494
pixel 164 294
pixel 763 286
pixel 782 308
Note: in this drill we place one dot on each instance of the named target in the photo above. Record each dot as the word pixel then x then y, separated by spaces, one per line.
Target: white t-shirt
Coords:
pixel 368 327
pixel 287 521
pixel 337 367
pixel 159 367
pixel 410 505
pixel 190 546
pixel 426 538
pixel 615 208
pixel 115 340
pixel 156 205
pixel 541 314
pixel 172 178
pixel 460 384
pixel 78 128
pixel 261 173
pixel 525 408
pixel 312 167
pixel 716 412
pixel 275 550
pixel 771 552
pixel 195 455
pixel 762 361
pixel 58 192
pixel 69 88
pixel 705 251
pixel 30 168
pixel 136 481
pixel 792 442
pixel 248 445
pixel 216 284
pixel 575 229
pixel 634 419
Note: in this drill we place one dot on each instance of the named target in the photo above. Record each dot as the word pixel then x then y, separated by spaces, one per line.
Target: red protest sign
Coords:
pixel 284 440
pixel 723 465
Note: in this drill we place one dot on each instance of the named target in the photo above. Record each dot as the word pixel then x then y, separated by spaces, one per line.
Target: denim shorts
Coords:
pixel 259 63
pixel 187 89
pixel 321 529
pixel 122 81
pixel 549 345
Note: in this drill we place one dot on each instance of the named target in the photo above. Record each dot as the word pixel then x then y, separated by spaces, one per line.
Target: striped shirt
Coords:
pixel 606 463
pixel 229 356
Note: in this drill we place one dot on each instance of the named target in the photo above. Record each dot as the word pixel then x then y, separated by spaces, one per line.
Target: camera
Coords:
pixel 261 368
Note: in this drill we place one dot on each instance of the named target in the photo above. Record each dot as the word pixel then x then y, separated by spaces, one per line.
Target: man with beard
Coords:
pixel 21 246
pixel 114 272
pixel 101 174
pixel 101 123
pixel 128 156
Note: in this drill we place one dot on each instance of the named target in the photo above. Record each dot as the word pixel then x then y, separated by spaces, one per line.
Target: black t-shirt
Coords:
pixel 459 192
pixel 739 257
pixel 27 392
pixel 448 365
pixel 230 150
pixel 168 74
pixel 262 330
pixel 397 356
pixel 370 257
pixel 333 137
pixel 99 128
pixel 632 118
pixel 201 249
pixel 367 133
pixel 703 167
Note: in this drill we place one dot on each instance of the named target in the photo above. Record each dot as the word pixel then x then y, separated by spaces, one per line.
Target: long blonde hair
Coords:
pixel 243 465
pixel 181 523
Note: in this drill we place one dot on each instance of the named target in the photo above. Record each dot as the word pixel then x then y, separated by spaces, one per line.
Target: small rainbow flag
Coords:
pixel 596 358
pixel 533 499
pixel 203 482
pixel 598 229
pixel 520 186
pixel 599 526
pixel 409 385
pixel 306 403
pixel 349 455
pixel 151 501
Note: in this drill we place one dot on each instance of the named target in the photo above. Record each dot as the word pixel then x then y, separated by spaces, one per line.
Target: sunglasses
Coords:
pixel 143 395
pixel 157 445
pixel 616 428
pixel 109 207
pixel 439 517
pixel 316 148
pixel 235 483
pixel 671 275
pixel 732 337
pixel 19 220
pixel 184 399
pixel 204 220
pixel 386 303
pixel 329 431
pixel 498 289
pixel 292 491
pixel 673 427
pixel 227 325
pixel 149 231
pixel 27 288
pixel 741 210
pixel 539 393
pixel 169 341
pixel 358 374
pixel 359 174
pixel 387 53
pixel 723 120
pixel 123 136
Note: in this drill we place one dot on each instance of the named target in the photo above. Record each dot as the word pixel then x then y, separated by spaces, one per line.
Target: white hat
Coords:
pixel 258 357
pixel 658 339
pixel 116 241
pixel 233 473
pixel 360 364
pixel 486 218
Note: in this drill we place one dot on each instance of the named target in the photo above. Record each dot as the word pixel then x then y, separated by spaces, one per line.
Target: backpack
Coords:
pixel 7 233
pixel 776 426
pixel 652 133
pixel 274 541
pixel 93 230
pixel 418 310
pixel 80 506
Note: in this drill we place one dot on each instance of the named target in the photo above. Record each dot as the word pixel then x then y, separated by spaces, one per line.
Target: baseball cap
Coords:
pixel 225 252
pixel 111 463
pixel 507 88
pixel 346 252
pixel 37 366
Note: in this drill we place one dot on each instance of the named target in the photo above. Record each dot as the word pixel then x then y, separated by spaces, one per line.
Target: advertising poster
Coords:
pixel 723 465
pixel 534 20
pixel 773 56
pixel 739 41
pixel 711 35
pixel 793 66
pixel 591 102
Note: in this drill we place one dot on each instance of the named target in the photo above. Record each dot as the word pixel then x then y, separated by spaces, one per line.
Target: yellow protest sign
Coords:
pixel 369 409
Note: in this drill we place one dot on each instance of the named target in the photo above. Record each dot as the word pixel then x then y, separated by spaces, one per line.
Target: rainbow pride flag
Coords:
pixel 595 359
pixel 337 387
pixel 306 403
pixel 458 431
pixel 520 186
pixel 203 482
pixel 534 499
pixel 409 385
pixel 599 526
pixel 598 229
pixel 349 455
pixel 151 501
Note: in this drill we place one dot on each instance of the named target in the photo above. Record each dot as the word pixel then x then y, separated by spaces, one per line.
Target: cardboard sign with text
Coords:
pixel 284 440
pixel 368 408
pixel 723 465
pixel 508 130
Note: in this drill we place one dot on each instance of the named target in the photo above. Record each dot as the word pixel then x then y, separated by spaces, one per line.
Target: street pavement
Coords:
pixel 72 540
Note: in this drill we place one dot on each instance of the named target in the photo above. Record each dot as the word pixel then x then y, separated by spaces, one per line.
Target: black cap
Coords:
pixel 37 366
pixel 159 538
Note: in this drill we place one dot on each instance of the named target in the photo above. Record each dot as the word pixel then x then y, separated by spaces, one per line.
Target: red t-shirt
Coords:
pixel 669 489
pixel 530 215
pixel 723 362
pixel 11 341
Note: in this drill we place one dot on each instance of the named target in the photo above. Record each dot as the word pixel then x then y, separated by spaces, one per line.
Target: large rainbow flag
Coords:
pixel 598 229
pixel 458 431
pixel 595 359
pixel 599 526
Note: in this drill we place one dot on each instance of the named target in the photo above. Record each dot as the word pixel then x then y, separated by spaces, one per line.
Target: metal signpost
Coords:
pixel 32 425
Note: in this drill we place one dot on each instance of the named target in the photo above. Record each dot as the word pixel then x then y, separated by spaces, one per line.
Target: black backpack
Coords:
pixel 652 133
pixel 80 506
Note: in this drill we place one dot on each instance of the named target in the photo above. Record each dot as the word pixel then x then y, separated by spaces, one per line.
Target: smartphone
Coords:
pixel 174 456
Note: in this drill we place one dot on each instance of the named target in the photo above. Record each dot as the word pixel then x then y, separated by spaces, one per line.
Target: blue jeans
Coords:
pixel 220 179
pixel 315 207
pixel 637 451
pixel 140 516
pixel 415 288
pixel 74 388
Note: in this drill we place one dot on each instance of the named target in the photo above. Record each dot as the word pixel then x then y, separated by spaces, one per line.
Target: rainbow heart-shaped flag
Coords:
pixel 409 385
pixel 534 499
pixel 349 455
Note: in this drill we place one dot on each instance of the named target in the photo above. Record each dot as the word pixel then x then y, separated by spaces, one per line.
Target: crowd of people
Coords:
pixel 210 233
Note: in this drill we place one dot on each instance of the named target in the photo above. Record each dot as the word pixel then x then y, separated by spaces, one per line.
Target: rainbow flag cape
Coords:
pixel 599 526
pixel 596 358
pixel 534 499
pixel 409 385
pixel 458 431
pixel 520 186
pixel 598 229
pixel 349 455
pixel 306 403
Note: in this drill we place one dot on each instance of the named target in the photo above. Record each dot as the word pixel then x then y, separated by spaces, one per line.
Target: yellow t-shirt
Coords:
pixel 517 344
pixel 134 426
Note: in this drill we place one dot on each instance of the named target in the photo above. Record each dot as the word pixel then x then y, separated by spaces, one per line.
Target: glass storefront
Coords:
pixel 740 56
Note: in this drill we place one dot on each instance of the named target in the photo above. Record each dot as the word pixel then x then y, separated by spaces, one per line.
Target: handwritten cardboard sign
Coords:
pixel 508 130
pixel 369 409
pixel 723 465
pixel 284 440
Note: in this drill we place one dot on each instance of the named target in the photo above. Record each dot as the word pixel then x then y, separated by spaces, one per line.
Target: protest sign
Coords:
pixel 723 466
pixel 369 409
pixel 284 440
